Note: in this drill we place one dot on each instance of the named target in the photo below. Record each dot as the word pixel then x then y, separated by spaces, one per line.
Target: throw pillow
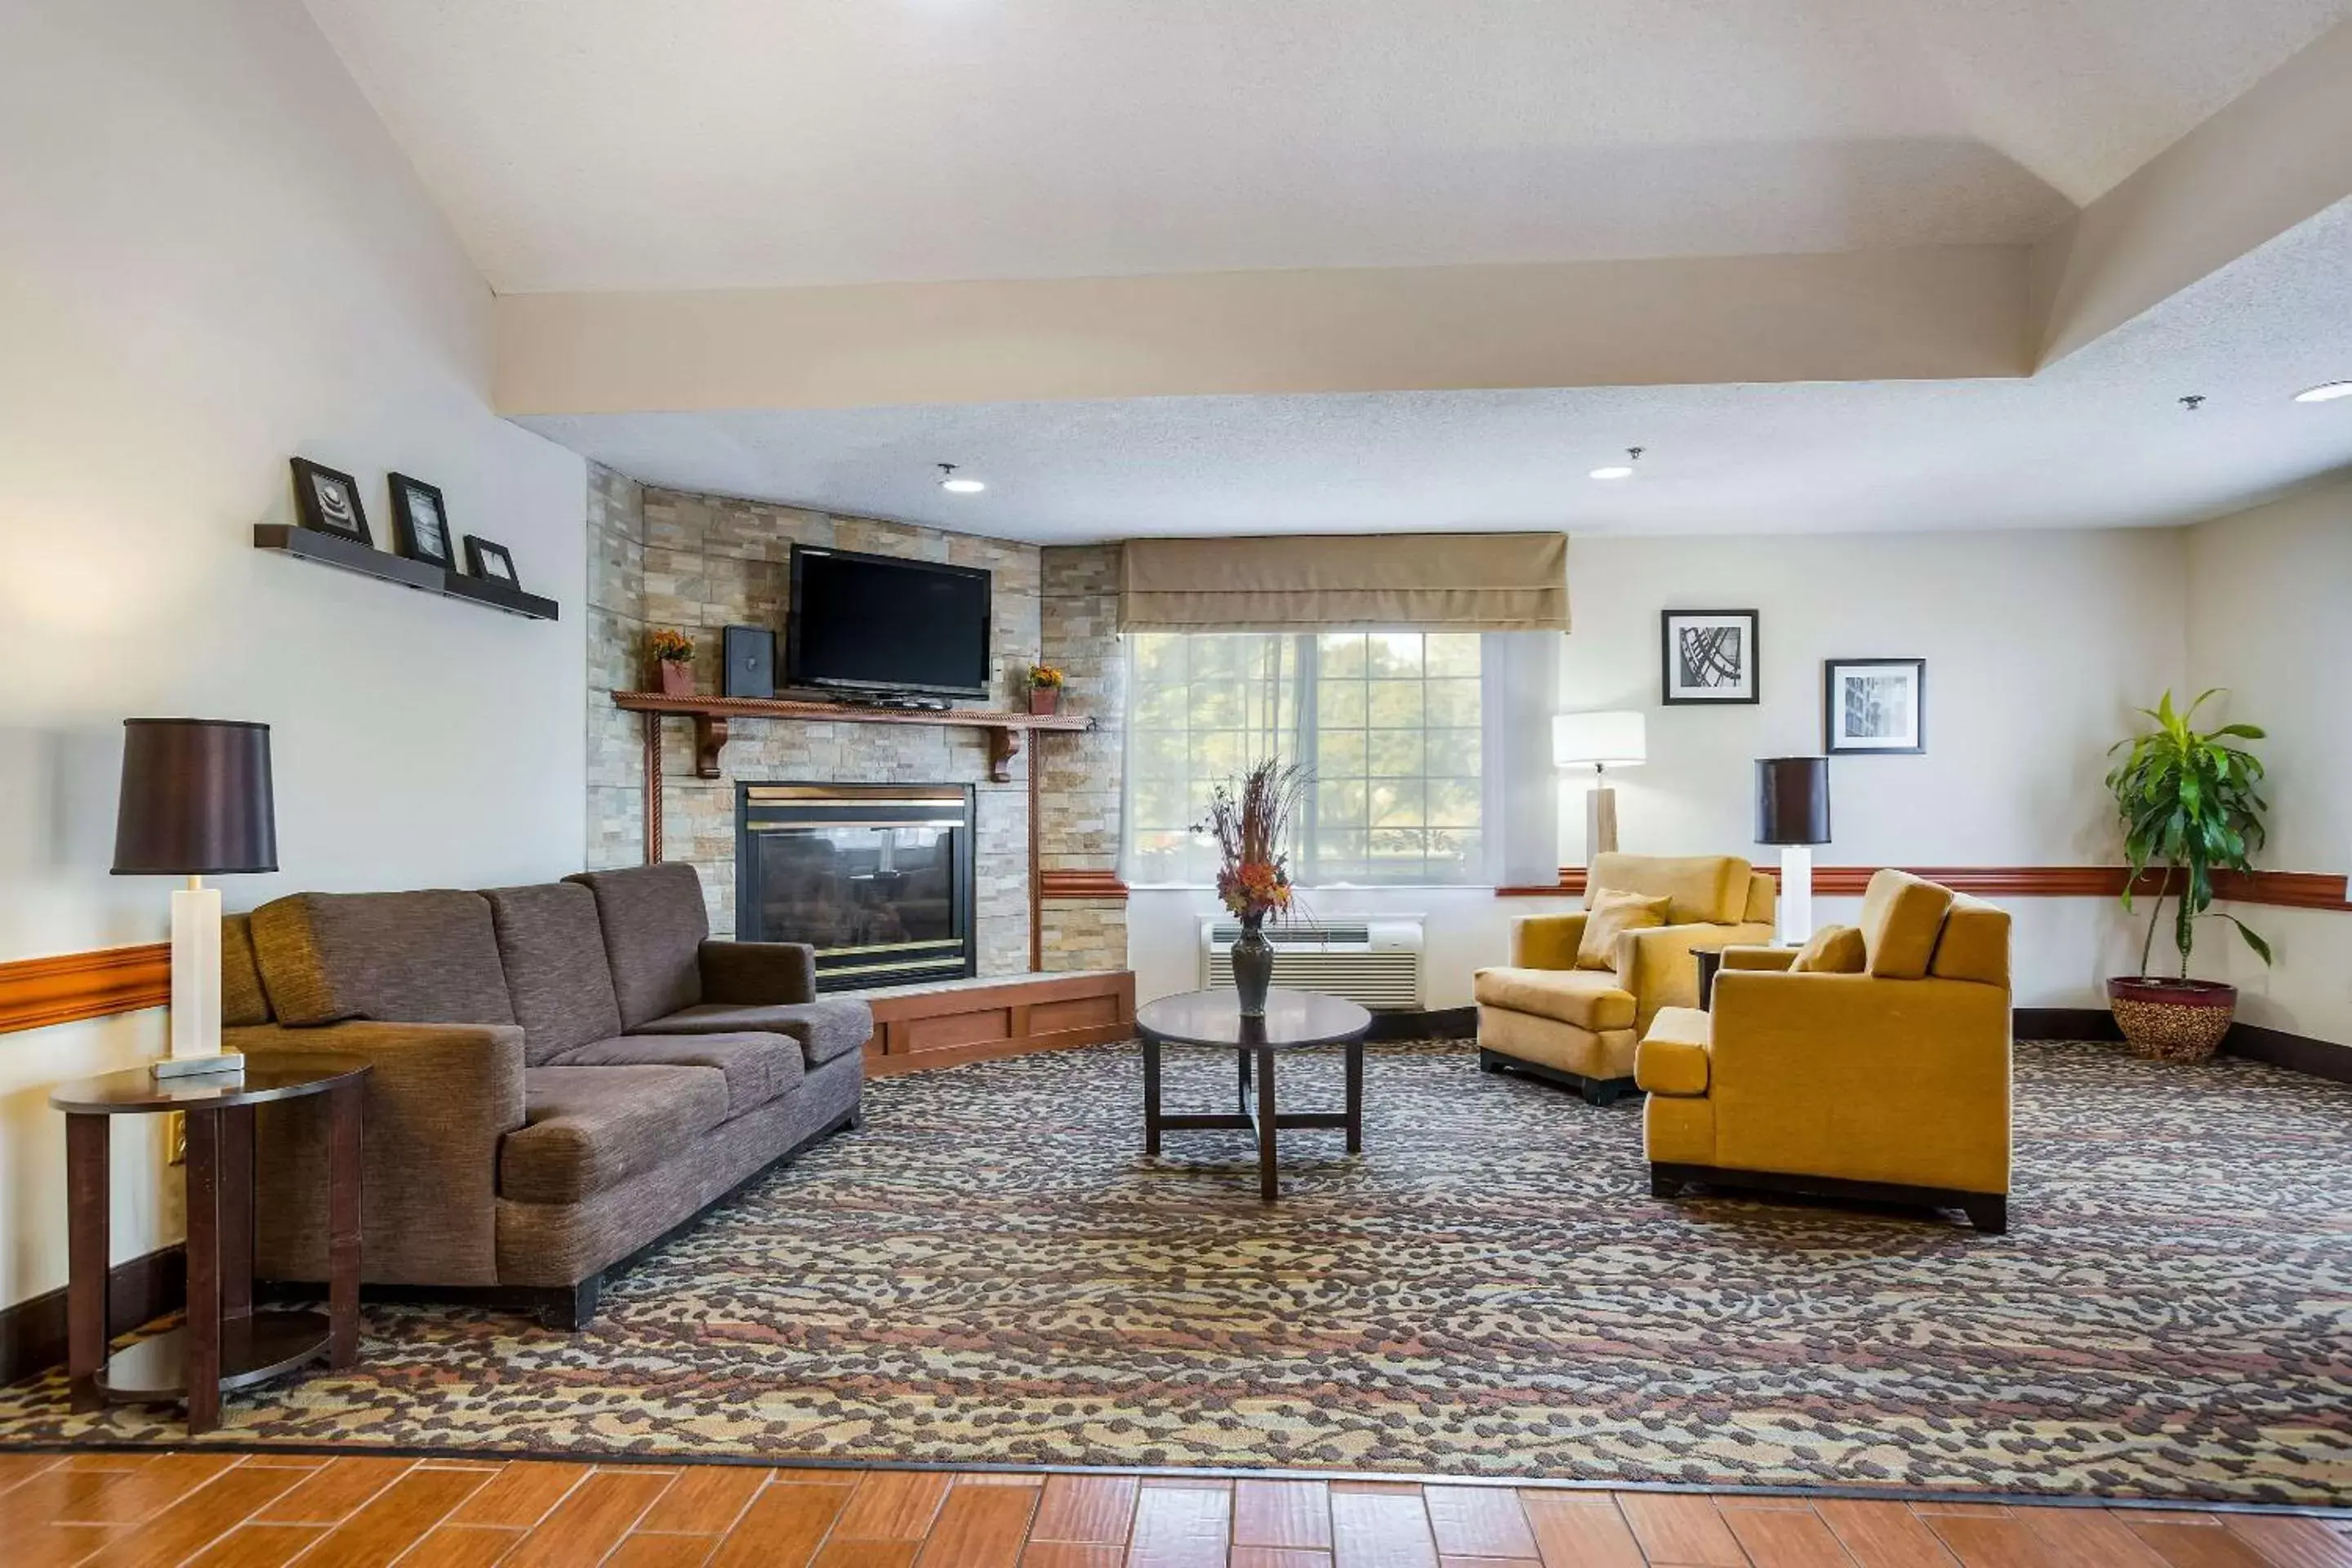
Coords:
pixel 1835 949
pixel 1610 916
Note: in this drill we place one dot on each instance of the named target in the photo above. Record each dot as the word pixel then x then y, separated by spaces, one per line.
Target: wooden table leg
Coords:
pixel 343 1226
pixel 202 1333
pixel 1355 1097
pixel 1151 1097
pixel 236 1213
pixel 1244 1057
pixel 1268 1187
pixel 86 1252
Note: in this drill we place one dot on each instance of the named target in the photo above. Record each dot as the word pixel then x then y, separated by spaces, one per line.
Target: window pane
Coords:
pixel 1394 753
pixel 1395 704
pixel 1341 655
pixel 1454 803
pixel 1397 803
pixel 1452 653
pixel 1392 654
pixel 1452 704
pixel 1454 753
pixel 1339 802
pixel 1340 754
pixel 1340 704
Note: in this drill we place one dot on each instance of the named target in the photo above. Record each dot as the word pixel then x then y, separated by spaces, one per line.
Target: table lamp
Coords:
pixel 195 804
pixel 1792 810
pixel 1599 741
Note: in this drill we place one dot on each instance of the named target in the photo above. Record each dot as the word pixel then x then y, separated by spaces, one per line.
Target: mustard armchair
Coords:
pixel 1890 1085
pixel 1542 1015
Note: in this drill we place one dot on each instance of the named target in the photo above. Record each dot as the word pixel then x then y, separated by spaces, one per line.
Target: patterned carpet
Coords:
pixel 993 1274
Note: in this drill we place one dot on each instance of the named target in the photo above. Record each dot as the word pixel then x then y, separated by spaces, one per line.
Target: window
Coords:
pixel 1388 721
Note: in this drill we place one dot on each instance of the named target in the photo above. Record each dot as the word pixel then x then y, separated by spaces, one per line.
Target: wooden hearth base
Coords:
pixel 956 1021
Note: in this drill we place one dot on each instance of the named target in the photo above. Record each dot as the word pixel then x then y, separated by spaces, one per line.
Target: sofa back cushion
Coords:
pixel 1711 890
pixel 396 958
pixel 654 927
pixel 244 1003
pixel 1763 899
pixel 1974 945
pixel 552 948
pixel 1902 915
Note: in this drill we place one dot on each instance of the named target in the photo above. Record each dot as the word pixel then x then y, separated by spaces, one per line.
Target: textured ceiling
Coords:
pixel 2095 440
pixel 604 144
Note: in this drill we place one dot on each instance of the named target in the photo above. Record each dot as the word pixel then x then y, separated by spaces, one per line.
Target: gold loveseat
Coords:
pixel 1889 1085
pixel 1542 1015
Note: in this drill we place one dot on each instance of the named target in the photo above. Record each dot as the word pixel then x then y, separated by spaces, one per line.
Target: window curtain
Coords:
pixel 1381 581
pixel 1521 692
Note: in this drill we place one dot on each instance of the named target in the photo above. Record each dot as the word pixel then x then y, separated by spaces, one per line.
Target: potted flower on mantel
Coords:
pixel 1250 823
pixel 673 656
pixel 1044 689
pixel 2190 803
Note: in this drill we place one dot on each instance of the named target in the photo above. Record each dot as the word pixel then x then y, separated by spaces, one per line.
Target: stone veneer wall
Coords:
pixel 1079 810
pixel 665 558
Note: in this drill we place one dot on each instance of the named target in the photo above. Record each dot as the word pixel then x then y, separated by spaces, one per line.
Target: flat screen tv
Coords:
pixel 880 626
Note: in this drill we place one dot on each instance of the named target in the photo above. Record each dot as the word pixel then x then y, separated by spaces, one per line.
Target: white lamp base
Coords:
pixel 1796 895
pixel 196 986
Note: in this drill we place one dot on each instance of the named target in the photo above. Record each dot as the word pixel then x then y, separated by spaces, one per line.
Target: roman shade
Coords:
pixel 1386 582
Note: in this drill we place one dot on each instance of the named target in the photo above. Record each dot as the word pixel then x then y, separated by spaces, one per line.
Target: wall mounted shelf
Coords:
pixel 350 555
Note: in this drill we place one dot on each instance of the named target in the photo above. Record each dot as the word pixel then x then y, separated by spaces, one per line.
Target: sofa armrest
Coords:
pixel 1759 957
pixel 438 1100
pixel 759 973
pixel 1547 941
pixel 1659 964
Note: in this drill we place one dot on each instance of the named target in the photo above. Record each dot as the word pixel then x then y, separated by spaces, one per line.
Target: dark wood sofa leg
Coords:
pixel 1664 1183
pixel 572 1307
pixel 1488 1061
pixel 1989 1215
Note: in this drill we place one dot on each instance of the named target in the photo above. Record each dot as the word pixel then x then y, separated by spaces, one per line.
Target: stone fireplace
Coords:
pixel 879 879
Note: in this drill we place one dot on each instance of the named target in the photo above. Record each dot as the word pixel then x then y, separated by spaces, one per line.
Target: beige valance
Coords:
pixel 1384 581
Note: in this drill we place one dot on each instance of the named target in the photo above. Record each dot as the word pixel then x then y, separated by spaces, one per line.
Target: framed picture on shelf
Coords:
pixel 1875 707
pixel 1708 656
pixel 490 561
pixel 420 522
pixel 328 501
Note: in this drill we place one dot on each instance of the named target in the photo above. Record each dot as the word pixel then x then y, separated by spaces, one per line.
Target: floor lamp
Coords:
pixel 196 803
pixel 1792 810
pixel 1599 741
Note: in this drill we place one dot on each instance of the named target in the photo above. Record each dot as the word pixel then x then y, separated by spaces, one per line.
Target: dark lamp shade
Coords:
pixel 196 799
pixel 1792 800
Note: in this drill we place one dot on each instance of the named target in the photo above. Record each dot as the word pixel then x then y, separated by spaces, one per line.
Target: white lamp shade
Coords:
pixel 1598 740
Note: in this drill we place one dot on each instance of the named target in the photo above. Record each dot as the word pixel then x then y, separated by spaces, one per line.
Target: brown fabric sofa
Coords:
pixel 563 1074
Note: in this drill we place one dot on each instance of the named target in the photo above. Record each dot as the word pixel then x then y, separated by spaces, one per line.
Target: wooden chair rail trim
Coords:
pixel 69 986
pixel 1097 884
pixel 2288 889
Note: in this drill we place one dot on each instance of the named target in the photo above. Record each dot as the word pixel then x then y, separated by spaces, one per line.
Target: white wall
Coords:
pixel 2270 619
pixel 213 257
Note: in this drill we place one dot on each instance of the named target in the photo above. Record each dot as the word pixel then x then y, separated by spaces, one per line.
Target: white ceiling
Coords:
pixel 2095 440
pixel 611 144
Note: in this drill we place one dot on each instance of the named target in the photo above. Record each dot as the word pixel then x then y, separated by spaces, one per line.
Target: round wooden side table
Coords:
pixel 225 1343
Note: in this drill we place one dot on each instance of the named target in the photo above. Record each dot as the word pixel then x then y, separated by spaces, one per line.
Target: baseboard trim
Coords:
pixel 138 1290
pixel 2063 1023
pixel 1426 1023
pixel 2255 1042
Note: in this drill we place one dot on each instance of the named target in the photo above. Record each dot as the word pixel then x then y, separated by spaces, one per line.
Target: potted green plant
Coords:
pixel 2190 802
pixel 673 656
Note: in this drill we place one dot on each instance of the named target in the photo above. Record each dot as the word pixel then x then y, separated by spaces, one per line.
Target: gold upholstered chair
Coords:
pixel 1577 1024
pixel 1888 1083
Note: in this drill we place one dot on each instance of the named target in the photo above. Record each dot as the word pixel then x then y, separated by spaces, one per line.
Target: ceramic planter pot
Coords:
pixel 2172 1020
pixel 676 678
pixel 1045 700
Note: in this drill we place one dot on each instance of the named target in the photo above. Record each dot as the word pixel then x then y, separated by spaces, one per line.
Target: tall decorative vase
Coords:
pixel 1253 966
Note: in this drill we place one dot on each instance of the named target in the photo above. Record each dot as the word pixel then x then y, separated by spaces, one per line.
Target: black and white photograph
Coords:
pixel 328 501
pixel 1709 656
pixel 420 522
pixel 1874 706
pixel 490 561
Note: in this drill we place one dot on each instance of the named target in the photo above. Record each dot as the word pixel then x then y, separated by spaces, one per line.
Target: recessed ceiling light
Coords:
pixel 954 486
pixel 1619 471
pixel 2327 393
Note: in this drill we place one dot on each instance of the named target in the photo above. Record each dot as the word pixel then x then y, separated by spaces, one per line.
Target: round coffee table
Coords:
pixel 1293 1019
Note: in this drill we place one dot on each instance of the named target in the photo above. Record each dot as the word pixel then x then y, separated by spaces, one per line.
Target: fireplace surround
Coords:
pixel 877 877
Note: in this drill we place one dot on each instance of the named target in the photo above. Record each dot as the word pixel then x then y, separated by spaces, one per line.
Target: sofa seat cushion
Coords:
pixel 757 1067
pixel 824 1029
pixel 1588 998
pixel 1673 1054
pixel 586 1129
pixel 428 957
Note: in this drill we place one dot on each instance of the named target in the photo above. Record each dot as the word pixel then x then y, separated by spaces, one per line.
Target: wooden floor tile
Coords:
pixel 1579 1530
pixel 868 1553
pixel 463 1546
pixel 333 1492
pixel 2199 1546
pixel 16 1467
pixel 784 1526
pixel 591 1520
pixel 1445 1561
pixel 2296 1543
pixel 2089 1538
pixel 519 1495
pixel 1071 1554
pixel 148 1491
pixel 1031 1478
pixel 271 1461
pixel 644 1551
pixel 1282 1513
pixel 1883 1534
pixel 389 1522
pixel 61 1493
pixel 1477 1521
pixel 892 1505
pixel 57 1545
pixel 1190 1483
pixel 197 1520
pixel 1965 1510
pixel 1785 1538
pixel 260 1545
pixel 1761 1500
pixel 2170 1516
pixel 1280 1557
pixel 1378 1488
pixel 706 1500
pixel 107 1459
pixel 1380 1530
pixel 1681 1529
pixel 1179 1529
pixel 978 1527
pixel 1985 1541
pixel 1097 1509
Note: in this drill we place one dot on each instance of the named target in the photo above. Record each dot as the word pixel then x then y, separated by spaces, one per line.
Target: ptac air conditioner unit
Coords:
pixel 1375 963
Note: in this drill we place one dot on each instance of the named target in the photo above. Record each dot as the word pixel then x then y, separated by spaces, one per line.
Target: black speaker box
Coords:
pixel 751 662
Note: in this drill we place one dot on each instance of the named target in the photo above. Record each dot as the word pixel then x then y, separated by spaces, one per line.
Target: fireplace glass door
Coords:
pixel 877 877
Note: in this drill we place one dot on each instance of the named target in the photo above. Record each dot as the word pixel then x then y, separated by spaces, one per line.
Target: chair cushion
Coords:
pixel 1902 915
pixel 654 925
pixel 824 1029
pixel 1585 997
pixel 1711 890
pixel 757 1067
pixel 396 958
pixel 1974 945
pixel 1611 915
pixel 1833 950
pixel 244 1004
pixel 553 952
pixel 587 1129
pixel 1673 1054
